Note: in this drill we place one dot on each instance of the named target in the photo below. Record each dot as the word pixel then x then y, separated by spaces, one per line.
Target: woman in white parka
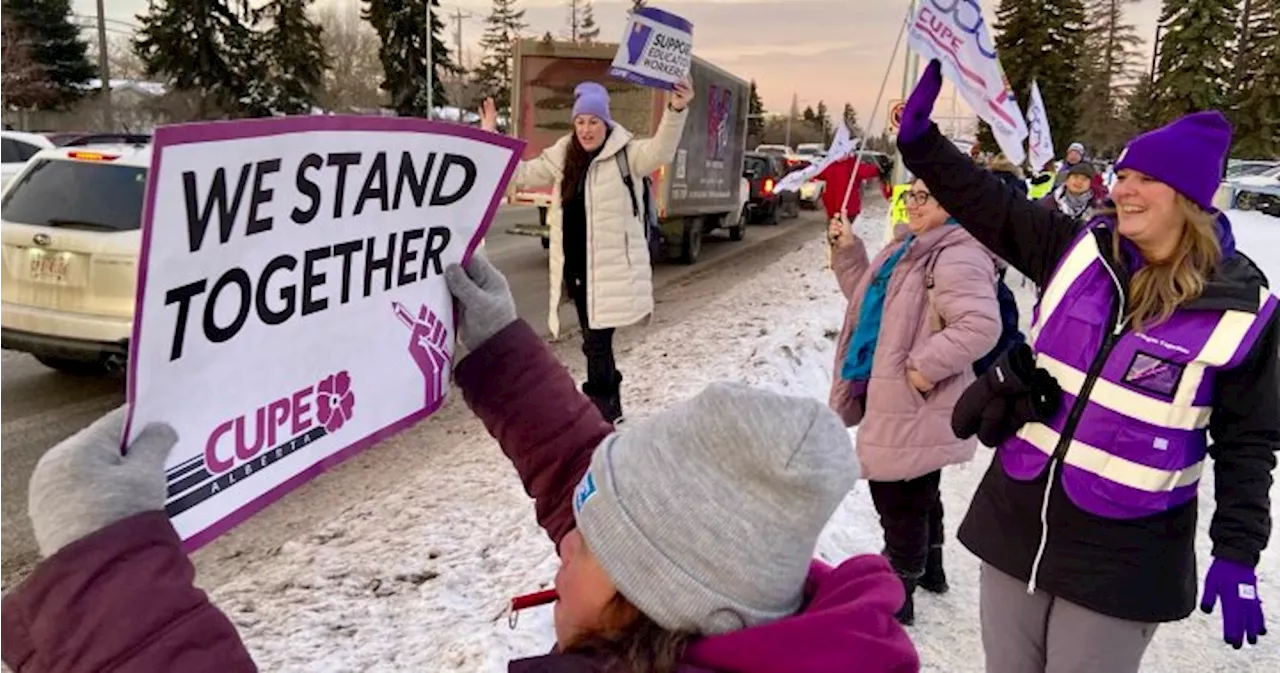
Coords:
pixel 599 254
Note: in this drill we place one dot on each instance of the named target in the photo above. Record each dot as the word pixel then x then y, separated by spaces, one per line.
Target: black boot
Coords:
pixel 607 398
pixel 906 616
pixel 934 579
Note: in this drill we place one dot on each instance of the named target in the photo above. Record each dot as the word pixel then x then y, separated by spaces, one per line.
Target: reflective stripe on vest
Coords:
pixel 1140 445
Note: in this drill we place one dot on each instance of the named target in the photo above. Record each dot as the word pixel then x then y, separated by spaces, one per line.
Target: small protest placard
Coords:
pixel 655 50
pixel 292 308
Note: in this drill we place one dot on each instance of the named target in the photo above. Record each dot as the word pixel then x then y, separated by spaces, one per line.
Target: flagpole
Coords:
pixel 908 81
pixel 884 81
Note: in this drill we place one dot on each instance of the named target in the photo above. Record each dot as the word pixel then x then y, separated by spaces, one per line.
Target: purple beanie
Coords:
pixel 1187 154
pixel 591 98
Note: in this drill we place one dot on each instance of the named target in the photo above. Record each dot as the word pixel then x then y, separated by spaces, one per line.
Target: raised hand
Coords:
pixel 840 232
pixel 429 346
pixel 682 94
pixel 489 116
pixel 915 114
pixel 85 483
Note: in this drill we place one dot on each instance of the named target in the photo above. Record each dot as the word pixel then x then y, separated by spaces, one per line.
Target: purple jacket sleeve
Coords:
pixel 531 405
pixel 121 600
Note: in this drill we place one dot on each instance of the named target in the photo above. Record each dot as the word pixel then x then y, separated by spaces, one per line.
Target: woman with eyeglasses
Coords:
pixel 919 315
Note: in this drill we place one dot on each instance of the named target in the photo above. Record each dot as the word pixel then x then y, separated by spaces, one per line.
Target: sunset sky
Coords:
pixel 832 50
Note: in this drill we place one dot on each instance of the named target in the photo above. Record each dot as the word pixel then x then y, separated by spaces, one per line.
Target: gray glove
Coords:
pixel 485 304
pixel 83 484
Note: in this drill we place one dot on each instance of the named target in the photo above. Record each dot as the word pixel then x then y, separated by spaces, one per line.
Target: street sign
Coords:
pixel 895 113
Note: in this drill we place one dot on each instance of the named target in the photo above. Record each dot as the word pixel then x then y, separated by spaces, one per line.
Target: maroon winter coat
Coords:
pixel 122 599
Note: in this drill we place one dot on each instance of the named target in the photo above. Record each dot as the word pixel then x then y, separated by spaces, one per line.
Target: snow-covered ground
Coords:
pixel 420 578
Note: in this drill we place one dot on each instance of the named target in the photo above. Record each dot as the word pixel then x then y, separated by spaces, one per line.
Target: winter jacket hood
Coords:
pixel 847 625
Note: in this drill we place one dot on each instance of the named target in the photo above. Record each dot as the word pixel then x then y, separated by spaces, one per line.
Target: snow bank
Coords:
pixel 420 579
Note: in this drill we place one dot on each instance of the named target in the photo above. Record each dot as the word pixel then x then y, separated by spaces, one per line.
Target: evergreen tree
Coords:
pixel 400 25
pixel 53 43
pixel 1112 59
pixel 1140 109
pixel 810 117
pixel 502 28
pixel 1195 56
pixel 1042 40
pixel 1257 99
pixel 292 57
pixel 822 119
pixel 755 110
pixel 588 31
pixel 24 82
pixel 201 47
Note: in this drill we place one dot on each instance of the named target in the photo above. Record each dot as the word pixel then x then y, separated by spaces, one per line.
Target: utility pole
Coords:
pixel 104 67
pixel 458 16
pixel 431 69
pixel 795 102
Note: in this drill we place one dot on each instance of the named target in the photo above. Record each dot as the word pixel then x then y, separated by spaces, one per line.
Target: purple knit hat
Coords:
pixel 1187 154
pixel 591 98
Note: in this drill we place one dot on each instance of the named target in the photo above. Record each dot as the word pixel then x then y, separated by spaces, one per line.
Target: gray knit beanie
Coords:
pixel 706 515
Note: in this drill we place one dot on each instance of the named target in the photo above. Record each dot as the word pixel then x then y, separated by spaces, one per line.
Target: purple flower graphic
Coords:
pixel 334 401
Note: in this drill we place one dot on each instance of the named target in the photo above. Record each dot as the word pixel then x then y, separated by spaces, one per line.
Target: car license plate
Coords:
pixel 50 268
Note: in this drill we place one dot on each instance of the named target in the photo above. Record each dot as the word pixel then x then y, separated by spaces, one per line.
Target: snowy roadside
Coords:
pixel 419 578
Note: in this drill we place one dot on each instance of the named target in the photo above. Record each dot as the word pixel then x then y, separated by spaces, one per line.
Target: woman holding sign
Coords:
pixel 599 249
pixel 667 563
pixel 1163 338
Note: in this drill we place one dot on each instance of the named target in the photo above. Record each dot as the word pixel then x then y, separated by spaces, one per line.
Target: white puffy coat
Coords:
pixel 619 273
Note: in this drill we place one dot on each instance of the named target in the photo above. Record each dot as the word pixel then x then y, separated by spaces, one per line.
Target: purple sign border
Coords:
pixel 185 134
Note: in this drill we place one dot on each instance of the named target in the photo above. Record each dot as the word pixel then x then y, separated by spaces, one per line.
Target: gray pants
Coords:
pixel 1038 633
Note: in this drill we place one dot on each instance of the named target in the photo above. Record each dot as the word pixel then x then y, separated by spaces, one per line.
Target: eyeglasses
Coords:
pixel 916 198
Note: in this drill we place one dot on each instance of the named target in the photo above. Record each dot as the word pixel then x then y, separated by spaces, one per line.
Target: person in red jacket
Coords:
pixel 837 176
pixel 685 539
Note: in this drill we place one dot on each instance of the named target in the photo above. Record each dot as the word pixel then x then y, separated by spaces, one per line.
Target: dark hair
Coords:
pixel 576 161
pixel 641 646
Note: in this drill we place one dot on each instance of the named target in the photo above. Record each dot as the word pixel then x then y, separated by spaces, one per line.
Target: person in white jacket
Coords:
pixel 599 254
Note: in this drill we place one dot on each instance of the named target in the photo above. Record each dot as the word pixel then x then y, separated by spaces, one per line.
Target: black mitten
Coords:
pixel 1011 373
pixel 1046 394
pixel 1008 376
pixel 996 422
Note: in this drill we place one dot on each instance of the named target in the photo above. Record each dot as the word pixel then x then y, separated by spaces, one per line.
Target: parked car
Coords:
pixel 776 150
pixel 1259 192
pixel 1240 169
pixel 763 171
pixel 813 152
pixel 17 148
pixel 71 234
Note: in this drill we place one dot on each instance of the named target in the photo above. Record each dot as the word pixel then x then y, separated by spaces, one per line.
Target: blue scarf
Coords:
pixel 862 345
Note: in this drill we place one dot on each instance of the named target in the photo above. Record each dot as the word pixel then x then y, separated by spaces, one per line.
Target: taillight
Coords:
pixel 92 156
pixel 768 185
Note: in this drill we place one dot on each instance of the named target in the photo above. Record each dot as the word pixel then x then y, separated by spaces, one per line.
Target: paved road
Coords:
pixel 40 407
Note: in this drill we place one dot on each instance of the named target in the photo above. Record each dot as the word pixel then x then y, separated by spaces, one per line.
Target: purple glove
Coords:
pixel 915 114
pixel 1236 585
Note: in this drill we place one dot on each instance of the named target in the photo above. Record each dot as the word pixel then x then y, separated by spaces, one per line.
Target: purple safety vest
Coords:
pixel 1137 445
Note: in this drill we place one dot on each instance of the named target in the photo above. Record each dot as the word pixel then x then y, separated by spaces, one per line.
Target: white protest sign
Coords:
pixel 955 33
pixel 656 49
pixel 291 304
pixel 841 146
pixel 1039 135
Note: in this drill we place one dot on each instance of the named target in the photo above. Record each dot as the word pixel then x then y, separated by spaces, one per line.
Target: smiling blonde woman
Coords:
pixel 1163 337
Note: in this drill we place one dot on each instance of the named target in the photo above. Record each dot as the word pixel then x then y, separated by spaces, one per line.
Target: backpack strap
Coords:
pixel 624 167
pixel 936 323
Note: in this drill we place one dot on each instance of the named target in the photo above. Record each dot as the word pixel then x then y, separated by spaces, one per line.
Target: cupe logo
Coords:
pixel 241 447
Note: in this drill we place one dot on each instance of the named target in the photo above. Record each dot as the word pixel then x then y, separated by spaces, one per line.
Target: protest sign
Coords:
pixel 955 33
pixel 292 308
pixel 655 49
pixel 1039 135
